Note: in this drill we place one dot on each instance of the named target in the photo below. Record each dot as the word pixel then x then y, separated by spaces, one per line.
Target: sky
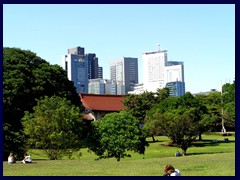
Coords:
pixel 201 36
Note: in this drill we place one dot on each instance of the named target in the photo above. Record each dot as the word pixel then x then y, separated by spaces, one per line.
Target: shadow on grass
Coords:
pixel 156 141
pixel 199 153
pixel 202 143
pixel 205 143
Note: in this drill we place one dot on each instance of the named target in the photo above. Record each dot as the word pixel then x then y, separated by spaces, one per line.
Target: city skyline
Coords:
pixel 201 36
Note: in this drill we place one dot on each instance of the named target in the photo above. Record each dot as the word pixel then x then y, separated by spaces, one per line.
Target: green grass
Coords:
pixel 204 158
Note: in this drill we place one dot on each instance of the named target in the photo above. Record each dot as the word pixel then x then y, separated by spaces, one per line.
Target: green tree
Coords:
pixel 115 134
pixel 55 126
pixel 138 105
pixel 27 77
pixel 188 101
pixel 162 94
pixel 151 125
pixel 212 101
pixel 181 119
pixel 180 125
pixel 228 93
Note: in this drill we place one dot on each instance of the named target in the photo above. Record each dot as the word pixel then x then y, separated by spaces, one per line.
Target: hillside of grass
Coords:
pixel 204 158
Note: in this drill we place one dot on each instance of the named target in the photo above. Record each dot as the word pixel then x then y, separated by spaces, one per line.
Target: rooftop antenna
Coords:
pixel 158 47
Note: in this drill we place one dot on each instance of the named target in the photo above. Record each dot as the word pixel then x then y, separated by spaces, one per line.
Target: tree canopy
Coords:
pixel 55 126
pixel 179 118
pixel 26 78
pixel 115 134
pixel 138 105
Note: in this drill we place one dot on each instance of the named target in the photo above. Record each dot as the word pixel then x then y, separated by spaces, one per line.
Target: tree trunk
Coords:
pixel 200 136
pixel 153 138
pixel 184 151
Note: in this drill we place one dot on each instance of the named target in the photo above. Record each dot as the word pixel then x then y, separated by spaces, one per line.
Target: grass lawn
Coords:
pixel 204 158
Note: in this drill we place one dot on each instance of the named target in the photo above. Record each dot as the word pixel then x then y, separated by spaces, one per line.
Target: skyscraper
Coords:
pixel 125 70
pixel 174 71
pixel 76 50
pixel 100 72
pixel 81 67
pixel 153 70
pixel 76 65
pixel 158 71
pixel 92 65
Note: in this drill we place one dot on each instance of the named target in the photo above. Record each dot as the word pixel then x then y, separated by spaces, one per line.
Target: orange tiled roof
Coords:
pixel 102 102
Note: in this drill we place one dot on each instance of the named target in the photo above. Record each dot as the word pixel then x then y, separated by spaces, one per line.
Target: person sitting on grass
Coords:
pixel 11 158
pixel 27 159
pixel 169 170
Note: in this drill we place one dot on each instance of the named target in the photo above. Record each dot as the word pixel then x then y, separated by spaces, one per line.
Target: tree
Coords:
pixel 181 119
pixel 55 126
pixel 115 134
pixel 228 91
pixel 138 105
pixel 188 101
pixel 180 125
pixel 162 94
pixel 212 101
pixel 15 138
pixel 151 125
pixel 27 77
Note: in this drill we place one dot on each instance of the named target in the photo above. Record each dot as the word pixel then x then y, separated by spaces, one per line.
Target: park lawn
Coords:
pixel 204 158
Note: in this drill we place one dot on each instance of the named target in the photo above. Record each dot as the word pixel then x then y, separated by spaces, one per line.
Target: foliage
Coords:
pixel 138 105
pixel 228 91
pixel 181 119
pixel 15 138
pixel 115 134
pixel 55 126
pixel 212 101
pixel 220 106
pixel 27 77
pixel 162 94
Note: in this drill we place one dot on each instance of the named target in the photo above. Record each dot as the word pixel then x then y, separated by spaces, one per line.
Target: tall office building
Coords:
pixel 153 70
pixel 81 67
pixel 174 71
pixel 100 72
pixel 176 88
pixel 92 65
pixel 76 50
pixel 76 65
pixel 158 71
pixel 125 70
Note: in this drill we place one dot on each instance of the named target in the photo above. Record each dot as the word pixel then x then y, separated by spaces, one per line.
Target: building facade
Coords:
pixel 125 70
pixel 158 71
pixel 105 86
pixel 77 71
pixel 92 65
pixel 177 88
pixel 81 67
pixel 153 70
pixel 100 72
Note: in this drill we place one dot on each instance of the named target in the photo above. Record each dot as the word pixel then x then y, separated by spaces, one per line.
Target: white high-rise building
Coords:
pixel 157 71
pixel 153 70
pixel 174 71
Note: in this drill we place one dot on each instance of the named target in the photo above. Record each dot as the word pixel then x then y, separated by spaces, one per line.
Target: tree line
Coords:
pixel 42 109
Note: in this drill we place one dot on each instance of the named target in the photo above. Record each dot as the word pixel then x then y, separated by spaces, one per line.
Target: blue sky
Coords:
pixel 202 36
